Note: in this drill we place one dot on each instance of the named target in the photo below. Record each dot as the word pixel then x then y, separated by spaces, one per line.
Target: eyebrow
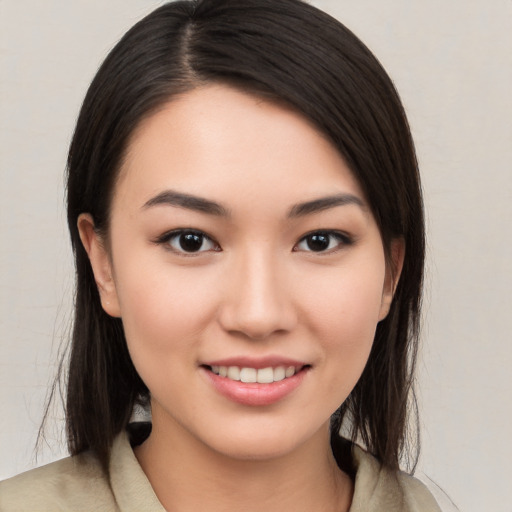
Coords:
pixel 190 202
pixel 202 205
pixel 324 203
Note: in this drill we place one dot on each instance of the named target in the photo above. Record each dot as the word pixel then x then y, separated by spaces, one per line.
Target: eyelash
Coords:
pixel 166 239
pixel 341 238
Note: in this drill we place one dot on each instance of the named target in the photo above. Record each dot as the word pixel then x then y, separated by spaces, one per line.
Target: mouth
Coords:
pixel 255 381
pixel 247 374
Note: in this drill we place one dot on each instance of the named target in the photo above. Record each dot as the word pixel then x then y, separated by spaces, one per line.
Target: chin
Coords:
pixel 266 442
pixel 256 449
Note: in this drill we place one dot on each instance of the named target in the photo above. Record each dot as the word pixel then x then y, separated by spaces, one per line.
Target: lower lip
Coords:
pixel 254 393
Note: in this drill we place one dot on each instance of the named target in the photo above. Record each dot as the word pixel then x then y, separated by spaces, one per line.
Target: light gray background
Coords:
pixel 451 61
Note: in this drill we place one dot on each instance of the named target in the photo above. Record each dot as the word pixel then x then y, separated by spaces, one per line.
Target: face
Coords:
pixel 247 269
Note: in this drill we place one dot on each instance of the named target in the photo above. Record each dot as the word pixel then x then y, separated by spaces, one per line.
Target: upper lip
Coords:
pixel 256 362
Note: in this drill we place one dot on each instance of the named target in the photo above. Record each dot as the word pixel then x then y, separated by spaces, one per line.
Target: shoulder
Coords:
pixel 79 484
pixel 74 483
pixel 378 488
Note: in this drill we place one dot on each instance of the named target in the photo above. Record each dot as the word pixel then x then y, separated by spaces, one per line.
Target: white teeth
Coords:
pixel 248 374
pixel 265 375
pixel 262 375
pixel 289 371
pixel 233 373
pixel 279 373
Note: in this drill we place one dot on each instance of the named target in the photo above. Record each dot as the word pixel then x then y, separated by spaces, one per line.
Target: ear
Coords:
pixel 100 263
pixel 393 271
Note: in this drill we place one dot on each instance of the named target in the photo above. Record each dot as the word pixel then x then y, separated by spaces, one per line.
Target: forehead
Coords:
pixel 216 140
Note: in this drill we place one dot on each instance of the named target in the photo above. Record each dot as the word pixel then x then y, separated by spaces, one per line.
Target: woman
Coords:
pixel 246 215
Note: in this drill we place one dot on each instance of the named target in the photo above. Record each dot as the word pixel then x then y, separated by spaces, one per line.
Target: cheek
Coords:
pixel 346 299
pixel 162 308
pixel 344 315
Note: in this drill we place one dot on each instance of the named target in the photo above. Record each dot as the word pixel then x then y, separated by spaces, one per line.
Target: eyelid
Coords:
pixel 343 238
pixel 169 235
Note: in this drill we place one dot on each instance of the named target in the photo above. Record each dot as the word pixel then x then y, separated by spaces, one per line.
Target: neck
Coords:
pixel 187 475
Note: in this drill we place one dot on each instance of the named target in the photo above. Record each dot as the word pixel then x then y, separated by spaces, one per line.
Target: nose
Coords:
pixel 258 301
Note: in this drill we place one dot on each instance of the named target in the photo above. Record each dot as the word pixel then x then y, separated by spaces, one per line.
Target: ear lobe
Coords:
pixel 393 272
pixel 100 263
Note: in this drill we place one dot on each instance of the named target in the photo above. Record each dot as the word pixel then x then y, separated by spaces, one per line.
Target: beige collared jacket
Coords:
pixel 78 484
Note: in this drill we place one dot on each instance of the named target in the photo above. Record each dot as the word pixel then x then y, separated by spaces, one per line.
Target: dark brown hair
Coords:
pixel 287 51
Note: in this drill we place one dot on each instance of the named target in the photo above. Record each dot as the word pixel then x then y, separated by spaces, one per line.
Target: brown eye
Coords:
pixel 323 241
pixel 318 242
pixel 186 241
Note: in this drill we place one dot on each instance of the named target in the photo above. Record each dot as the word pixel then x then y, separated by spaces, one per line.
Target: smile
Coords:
pixel 258 375
pixel 255 382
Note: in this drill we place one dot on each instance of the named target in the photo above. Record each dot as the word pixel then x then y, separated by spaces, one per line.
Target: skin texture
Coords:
pixel 255 289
